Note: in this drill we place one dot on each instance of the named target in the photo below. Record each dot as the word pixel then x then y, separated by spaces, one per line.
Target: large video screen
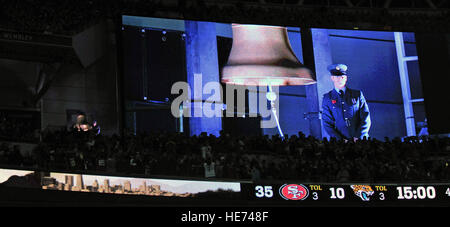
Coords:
pixel 198 76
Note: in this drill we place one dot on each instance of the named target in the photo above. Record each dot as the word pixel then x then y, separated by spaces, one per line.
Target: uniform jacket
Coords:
pixel 344 118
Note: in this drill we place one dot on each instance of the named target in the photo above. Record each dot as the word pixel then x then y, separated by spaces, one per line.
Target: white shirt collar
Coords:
pixel 337 90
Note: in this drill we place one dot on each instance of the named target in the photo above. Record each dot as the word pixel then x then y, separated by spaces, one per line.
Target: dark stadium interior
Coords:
pixel 85 89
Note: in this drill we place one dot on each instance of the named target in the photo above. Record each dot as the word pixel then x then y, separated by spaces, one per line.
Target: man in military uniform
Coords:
pixel 345 112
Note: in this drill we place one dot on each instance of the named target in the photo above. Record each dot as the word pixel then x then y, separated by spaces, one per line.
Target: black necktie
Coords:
pixel 341 93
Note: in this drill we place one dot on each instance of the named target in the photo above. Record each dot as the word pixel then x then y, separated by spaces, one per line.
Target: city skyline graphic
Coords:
pixel 126 185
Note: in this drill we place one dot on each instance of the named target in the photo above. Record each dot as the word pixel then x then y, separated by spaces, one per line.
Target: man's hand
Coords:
pixel 355 139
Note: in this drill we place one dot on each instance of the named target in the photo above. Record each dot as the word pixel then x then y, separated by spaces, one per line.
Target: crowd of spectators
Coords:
pixel 17 129
pixel 69 17
pixel 63 17
pixel 323 17
pixel 319 15
pixel 257 158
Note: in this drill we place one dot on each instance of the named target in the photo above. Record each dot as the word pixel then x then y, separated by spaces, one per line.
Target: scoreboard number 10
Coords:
pixel 337 193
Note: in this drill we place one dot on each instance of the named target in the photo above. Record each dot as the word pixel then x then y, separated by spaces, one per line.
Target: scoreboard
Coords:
pixel 282 194
pixel 348 194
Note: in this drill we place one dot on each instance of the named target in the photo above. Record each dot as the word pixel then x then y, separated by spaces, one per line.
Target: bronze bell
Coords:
pixel 262 56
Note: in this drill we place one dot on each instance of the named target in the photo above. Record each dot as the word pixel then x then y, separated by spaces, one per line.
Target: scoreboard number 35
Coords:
pixel 264 191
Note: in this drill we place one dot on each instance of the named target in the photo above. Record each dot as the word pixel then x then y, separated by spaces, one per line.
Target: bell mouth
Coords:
pixel 266 75
pixel 256 26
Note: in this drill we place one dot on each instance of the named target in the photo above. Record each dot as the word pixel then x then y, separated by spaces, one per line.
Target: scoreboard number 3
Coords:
pixel 265 191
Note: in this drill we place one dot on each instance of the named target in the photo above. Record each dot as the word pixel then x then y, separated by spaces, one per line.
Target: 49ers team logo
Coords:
pixel 294 192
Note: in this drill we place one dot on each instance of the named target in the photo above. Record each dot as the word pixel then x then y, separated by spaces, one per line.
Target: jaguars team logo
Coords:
pixel 363 191
pixel 294 192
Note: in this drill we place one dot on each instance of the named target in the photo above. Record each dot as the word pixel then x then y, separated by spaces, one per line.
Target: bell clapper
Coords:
pixel 272 96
